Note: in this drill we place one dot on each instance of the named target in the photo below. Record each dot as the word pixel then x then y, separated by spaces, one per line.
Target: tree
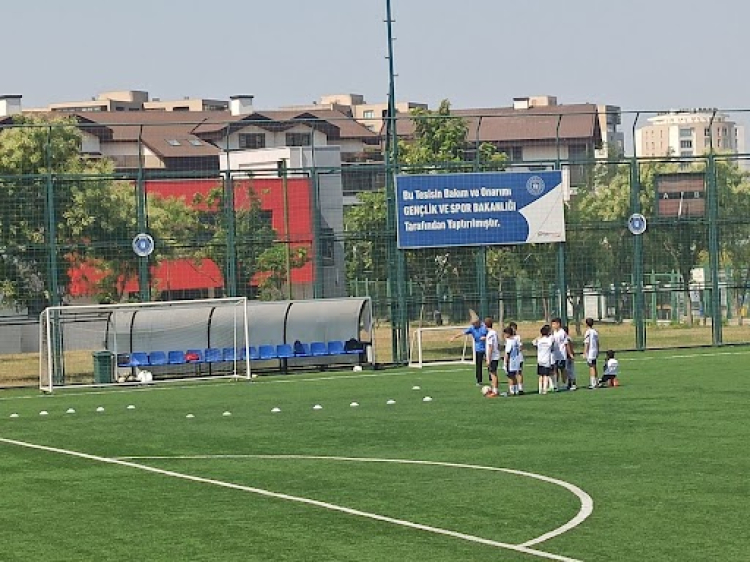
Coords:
pixel 366 236
pixel 273 263
pixel 40 157
pixel 253 234
pixel 439 144
pixel 173 224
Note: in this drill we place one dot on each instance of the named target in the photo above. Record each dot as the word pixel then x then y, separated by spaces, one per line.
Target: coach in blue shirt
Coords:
pixel 478 331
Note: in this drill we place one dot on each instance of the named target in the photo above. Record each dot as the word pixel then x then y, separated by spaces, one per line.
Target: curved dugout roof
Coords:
pixel 181 328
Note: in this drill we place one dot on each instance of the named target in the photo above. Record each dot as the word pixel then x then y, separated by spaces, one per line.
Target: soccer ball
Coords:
pixel 486 390
pixel 357 368
pixel 122 378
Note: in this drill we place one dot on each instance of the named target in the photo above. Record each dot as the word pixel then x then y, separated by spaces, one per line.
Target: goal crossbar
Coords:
pixel 427 347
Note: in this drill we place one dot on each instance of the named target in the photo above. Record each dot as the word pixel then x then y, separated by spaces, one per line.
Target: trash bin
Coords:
pixel 104 366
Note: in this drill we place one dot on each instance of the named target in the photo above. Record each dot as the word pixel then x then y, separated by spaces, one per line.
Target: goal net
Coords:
pixel 131 344
pixel 435 346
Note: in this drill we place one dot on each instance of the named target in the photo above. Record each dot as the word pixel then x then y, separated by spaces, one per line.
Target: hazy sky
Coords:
pixel 638 54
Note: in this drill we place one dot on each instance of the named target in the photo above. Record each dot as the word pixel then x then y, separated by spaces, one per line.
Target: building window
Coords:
pixel 173 142
pixel 707 132
pixel 578 152
pixel 686 144
pixel 686 154
pixel 369 114
pixel 298 139
pixel 686 133
pixel 252 140
pixel 327 246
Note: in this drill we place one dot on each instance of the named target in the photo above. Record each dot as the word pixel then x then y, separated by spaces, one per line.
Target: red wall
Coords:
pixel 185 274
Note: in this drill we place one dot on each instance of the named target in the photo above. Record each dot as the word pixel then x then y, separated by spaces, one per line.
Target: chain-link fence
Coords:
pixel 302 207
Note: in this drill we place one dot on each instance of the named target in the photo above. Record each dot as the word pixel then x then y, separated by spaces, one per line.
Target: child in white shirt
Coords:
pixel 544 345
pixel 611 370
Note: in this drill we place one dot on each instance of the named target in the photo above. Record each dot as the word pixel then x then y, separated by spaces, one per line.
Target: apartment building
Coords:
pixel 689 132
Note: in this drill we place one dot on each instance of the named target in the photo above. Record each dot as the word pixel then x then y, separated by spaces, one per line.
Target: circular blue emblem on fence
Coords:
pixel 143 245
pixel 535 186
pixel 637 224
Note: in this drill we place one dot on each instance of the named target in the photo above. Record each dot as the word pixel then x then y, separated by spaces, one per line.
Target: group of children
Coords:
pixel 555 359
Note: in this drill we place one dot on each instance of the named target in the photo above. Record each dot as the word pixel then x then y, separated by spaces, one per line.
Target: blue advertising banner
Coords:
pixel 441 210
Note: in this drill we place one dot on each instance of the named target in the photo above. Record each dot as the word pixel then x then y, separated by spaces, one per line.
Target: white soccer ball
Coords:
pixel 122 378
pixel 357 368
pixel 486 390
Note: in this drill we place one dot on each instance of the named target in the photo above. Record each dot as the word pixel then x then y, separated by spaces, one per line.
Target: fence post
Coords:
pixel 53 275
pixel 639 302
pixel 231 265
pixel 144 284
pixel 713 249
pixel 562 283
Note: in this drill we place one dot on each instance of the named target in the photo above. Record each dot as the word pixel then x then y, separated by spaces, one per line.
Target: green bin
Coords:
pixel 104 366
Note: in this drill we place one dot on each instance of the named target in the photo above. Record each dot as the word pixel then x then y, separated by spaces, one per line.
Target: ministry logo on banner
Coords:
pixel 535 186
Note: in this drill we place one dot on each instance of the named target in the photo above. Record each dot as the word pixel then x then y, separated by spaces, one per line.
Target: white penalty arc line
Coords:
pixel 587 503
pixel 287 497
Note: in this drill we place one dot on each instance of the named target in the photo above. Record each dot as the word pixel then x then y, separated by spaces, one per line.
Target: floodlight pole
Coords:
pixel 713 238
pixel 399 320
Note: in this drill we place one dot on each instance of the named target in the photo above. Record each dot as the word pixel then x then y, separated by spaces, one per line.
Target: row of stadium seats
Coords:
pixel 230 354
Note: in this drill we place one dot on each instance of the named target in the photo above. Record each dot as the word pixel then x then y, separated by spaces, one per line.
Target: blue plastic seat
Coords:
pixel 213 355
pixel 254 353
pixel 336 347
pixel 284 351
pixel 318 349
pixel 138 358
pixel 241 353
pixel 229 354
pixel 194 356
pixel 267 352
pixel 157 358
pixel 175 357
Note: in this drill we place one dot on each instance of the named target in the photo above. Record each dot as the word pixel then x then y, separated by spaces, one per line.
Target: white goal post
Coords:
pixel 433 346
pixel 140 343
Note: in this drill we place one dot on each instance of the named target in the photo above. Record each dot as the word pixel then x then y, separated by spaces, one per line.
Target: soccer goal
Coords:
pixel 433 346
pixel 143 343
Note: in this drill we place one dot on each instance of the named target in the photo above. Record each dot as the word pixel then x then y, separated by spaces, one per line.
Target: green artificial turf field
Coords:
pixel 664 458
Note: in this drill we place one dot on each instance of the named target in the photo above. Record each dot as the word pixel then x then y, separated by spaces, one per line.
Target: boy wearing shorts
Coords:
pixel 544 344
pixel 511 361
pixel 611 370
pixel 559 354
pixel 591 351
pixel 569 361
pixel 492 353
pixel 513 326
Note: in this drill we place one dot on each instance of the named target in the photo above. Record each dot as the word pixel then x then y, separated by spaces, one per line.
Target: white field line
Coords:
pixel 587 504
pixel 301 379
pixel 287 497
